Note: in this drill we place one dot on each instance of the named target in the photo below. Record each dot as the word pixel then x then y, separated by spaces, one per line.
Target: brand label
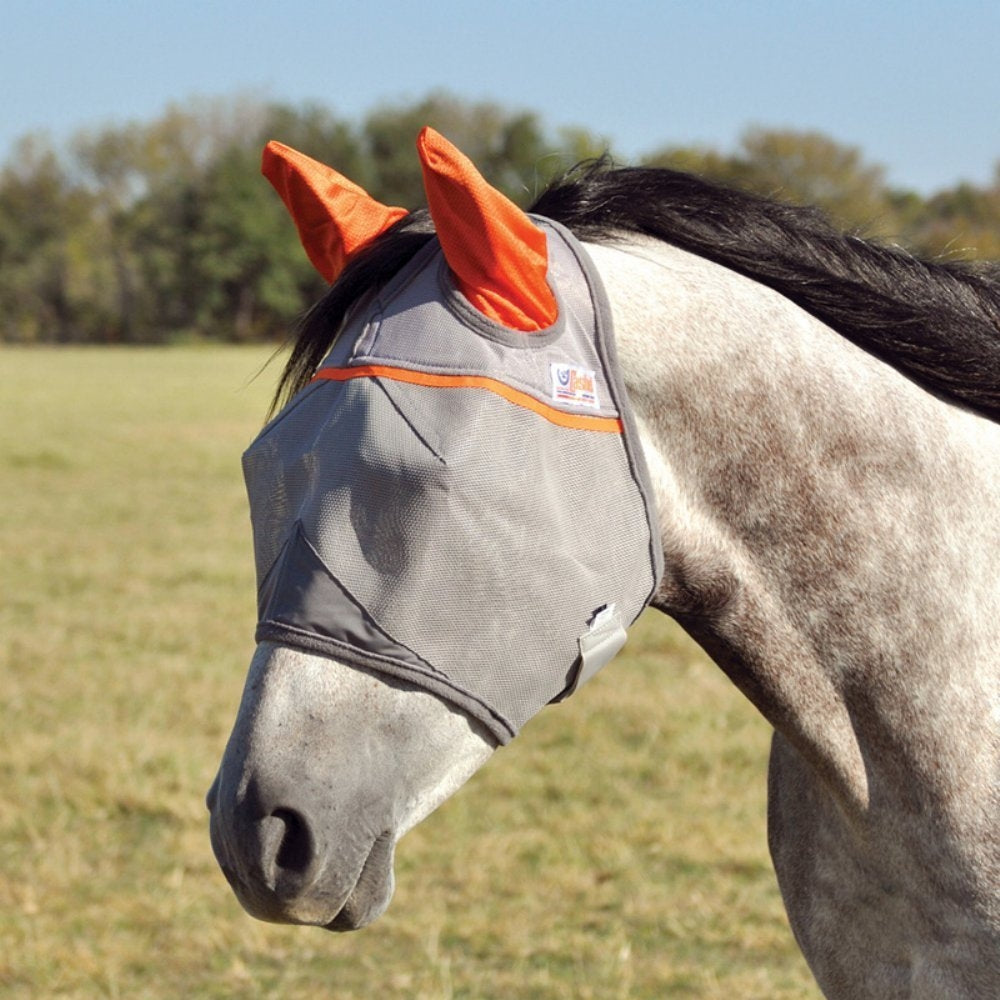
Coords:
pixel 574 385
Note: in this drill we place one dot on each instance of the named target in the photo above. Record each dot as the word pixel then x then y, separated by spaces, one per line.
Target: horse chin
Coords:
pixel 323 902
pixel 372 894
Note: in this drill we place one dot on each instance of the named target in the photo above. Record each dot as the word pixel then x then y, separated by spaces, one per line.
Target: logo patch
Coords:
pixel 576 386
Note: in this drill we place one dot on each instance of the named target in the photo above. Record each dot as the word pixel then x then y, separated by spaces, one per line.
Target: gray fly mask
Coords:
pixel 459 505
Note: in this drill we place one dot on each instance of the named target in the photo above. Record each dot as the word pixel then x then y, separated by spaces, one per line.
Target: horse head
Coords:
pixel 453 527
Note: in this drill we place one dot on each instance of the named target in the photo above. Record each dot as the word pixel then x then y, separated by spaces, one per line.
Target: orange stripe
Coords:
pixel 574 421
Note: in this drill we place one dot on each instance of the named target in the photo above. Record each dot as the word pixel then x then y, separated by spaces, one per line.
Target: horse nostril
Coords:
pixel 295 848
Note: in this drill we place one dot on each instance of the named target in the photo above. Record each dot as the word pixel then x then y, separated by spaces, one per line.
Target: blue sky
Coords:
pixel 916 85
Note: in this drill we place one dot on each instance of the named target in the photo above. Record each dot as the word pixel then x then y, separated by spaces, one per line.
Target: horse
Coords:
pixel 814 428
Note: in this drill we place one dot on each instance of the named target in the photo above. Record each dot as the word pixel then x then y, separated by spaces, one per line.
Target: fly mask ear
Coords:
pixel 498 256
pixel 334 216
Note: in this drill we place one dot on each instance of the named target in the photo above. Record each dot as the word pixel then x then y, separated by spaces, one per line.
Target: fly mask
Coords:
pixel 454 501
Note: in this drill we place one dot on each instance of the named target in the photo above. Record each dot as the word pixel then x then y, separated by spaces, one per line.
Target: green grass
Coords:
pixel 616 849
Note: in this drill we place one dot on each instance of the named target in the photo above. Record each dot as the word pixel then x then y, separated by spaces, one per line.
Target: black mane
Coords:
pixel 936 321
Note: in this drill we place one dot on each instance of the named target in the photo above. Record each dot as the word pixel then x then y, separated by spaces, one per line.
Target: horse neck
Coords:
pixel 827 526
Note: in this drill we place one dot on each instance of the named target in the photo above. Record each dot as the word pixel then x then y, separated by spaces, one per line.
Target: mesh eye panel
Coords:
pixel 447 535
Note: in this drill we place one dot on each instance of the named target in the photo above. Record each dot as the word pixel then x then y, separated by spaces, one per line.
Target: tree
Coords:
pixel 807 168
pixel 108 164
pixel 963 222
pixel 148 231
pixel 250 275
pixel 510 149
pixel 40 211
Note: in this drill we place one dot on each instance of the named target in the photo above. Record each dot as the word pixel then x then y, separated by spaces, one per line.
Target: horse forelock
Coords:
pixel 319 327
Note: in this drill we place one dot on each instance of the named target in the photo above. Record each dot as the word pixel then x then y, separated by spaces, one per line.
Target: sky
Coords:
pixel 914 85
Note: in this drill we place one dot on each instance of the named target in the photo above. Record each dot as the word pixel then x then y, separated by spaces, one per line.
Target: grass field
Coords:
pixel 615 849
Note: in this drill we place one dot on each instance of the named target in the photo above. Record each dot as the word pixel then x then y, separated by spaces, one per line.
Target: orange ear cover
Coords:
pixel 334 216
pixel 497 255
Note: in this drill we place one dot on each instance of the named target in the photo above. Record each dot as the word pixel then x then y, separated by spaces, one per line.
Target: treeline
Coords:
pixel 159 231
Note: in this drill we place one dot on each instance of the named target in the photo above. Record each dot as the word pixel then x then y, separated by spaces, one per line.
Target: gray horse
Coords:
pixel 810 422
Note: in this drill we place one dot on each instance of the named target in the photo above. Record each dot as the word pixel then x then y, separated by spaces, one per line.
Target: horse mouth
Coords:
pixel 284 880
pixel 373 890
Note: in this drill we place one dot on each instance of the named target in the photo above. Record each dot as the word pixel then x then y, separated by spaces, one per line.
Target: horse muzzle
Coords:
pixel 285 867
